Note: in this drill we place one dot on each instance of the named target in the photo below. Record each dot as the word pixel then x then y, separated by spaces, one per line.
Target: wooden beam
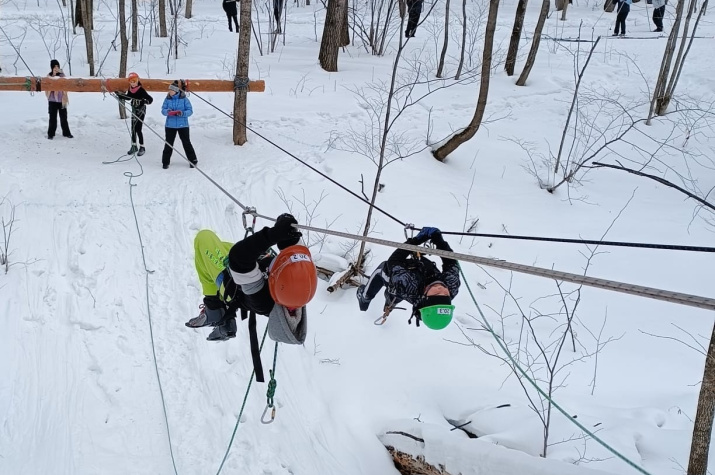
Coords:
pixel 119 84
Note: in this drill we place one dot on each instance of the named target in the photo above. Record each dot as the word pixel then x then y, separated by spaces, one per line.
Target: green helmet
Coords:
pixel 437 317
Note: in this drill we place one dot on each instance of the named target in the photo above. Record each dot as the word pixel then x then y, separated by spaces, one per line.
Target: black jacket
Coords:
pixel 139 99
pixel 409 275
pixel 242 258
pixel 229 6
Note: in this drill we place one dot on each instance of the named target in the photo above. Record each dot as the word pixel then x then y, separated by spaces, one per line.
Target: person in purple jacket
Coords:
pixel 57 102
pixel 177 109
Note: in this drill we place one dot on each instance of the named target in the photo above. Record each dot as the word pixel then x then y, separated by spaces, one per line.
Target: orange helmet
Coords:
pixel 292 278
pixel 133 76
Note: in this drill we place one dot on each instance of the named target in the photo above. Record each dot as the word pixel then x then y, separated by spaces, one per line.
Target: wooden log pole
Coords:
pixel 113 85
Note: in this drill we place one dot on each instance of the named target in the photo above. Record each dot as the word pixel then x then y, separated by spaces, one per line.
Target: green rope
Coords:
pixel 243 406
pixel 272 383
pixel 541 391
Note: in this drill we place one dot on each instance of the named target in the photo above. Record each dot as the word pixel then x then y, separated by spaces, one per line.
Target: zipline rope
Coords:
pixel 516 367
pixel 303 162
pixel 670 247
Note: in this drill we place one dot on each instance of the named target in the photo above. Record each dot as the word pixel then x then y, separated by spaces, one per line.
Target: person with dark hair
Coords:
pixel 623 9
pixel 658 14
pixel 177 109
pixel 139 99
pixel 229 7
pixel 415 278
pixel 57 103
pixel 414 10
pixel 250 277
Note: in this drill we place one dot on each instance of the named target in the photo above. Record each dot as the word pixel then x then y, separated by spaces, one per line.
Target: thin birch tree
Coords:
pixel 440 66
pixel 163 32
pixel 535 41
pixel 515 37
pixel 135 26
pixel 124 42
pixel 702 430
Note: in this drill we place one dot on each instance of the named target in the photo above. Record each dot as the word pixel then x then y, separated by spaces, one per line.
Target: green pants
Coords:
pixel 209 259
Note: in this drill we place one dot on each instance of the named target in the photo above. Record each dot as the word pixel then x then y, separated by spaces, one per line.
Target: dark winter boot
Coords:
pixel 141 151
pixel 132 150
pixel 363 303
pixel 224 331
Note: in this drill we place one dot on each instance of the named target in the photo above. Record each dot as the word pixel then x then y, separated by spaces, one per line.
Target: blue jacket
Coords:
pixel 179 102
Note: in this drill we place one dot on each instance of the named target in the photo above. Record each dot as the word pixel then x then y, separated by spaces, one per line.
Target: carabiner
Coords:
pixel 252 211
pixel 273 414
pixel 411 227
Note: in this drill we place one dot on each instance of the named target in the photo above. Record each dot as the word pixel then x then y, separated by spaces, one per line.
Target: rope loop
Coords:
pixel 240 83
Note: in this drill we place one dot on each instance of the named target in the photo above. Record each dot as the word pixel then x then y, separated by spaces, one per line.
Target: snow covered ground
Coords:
pixel 78 385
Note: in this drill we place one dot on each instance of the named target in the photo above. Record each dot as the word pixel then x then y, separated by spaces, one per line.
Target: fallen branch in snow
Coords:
pixel 408 464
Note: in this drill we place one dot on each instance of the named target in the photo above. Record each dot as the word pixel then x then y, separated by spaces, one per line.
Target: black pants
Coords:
pixel 53 108
pixel 185 141
pixel 137 124
pixel 379 279
pixel 414 13
pixel 658 15
pixel 623 12
pixel 235 22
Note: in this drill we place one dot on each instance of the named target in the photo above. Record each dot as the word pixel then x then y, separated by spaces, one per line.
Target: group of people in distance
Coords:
pixel 176 108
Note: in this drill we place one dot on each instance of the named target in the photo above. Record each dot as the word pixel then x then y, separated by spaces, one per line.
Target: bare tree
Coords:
pixel 7 224
pixel 535 41
pixel 515 36
pixel 663 92
pixel 163 33
pixel 467 133
pixel 702 430
pixel 464 40
pixel 241 94
pixel 86 12
pixel 332 35
pixel 440 65
pixel 135 26
pixel 124 41
pixel 189 4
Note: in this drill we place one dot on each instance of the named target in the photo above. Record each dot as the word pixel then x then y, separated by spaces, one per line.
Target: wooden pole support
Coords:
pixel 118 84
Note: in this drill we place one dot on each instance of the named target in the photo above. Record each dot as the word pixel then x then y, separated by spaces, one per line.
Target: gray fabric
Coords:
pixel 253 287
pixel 279 326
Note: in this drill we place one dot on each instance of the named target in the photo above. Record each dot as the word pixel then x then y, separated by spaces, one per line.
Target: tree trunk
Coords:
pixel 458 139
pixel 536 40
pixel 515 37
pixel 332 35
pixel 188 8
pixel 440 66
pixel 241 95
pixel 464 40
pixel 124 47
pixel 79 15
pixel 345 40
pixel 86 9
pixel 661 83
pixel 135 26
pixel 698 463
pixel 162 19
pixel 563 12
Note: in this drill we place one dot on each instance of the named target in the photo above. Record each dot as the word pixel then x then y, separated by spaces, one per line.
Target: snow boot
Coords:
pixel 224 331
pixel 132 150
pixel 212 312
pixel 141 151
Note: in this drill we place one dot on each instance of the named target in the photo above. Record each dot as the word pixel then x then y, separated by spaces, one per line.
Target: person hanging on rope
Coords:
pixel 416 279
pixel 139 99
pixel 250 277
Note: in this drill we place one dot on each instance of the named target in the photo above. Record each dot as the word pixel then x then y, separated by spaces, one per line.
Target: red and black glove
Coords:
pixel 172 113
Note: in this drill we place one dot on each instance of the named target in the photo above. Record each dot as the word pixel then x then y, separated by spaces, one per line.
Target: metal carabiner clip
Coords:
pixel 411 227
pixel 252 211
pixel 273 415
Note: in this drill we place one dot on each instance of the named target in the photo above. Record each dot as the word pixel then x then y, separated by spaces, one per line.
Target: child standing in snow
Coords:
pixel 57 103
pixel 624 8
pixel 140 98
pixel 177 109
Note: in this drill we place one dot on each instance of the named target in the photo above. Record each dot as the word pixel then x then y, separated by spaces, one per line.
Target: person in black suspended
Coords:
pixel 414 10
pixel 229 6
pixel 417 280
pixel 139 99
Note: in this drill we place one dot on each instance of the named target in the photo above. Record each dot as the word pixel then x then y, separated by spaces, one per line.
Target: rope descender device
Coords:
pixel 252 211
pixel 269 400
